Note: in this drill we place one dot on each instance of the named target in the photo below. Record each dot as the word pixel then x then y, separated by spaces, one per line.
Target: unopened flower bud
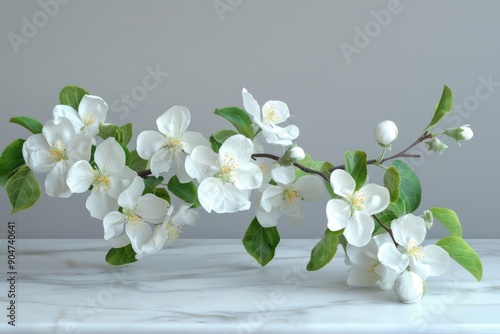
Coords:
pixel 292 154
pixel 436 145
pixel 297 153
pixel 462 133
pixel 385 133
pixel 428 218
pixel 409 287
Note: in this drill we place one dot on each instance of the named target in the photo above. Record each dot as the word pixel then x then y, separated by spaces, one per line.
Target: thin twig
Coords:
pixel 299 166
pixel 387 229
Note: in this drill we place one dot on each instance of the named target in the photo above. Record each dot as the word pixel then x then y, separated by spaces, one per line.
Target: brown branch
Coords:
pixel 387 229
pixel 401 154
pixel 145 173
pixel 299 166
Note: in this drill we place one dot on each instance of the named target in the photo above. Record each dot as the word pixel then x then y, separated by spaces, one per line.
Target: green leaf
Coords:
pixel 10 160
pixel 239 118
pixel 71 96
pixel 106 131
pixel 185 191
pixel 127 133
pixel 137 163
pixel 391 182
pixel 22 189
pixel 398 208
pixel 150 184
pixel 355 164
pixel 261 242
pixel 443 107
pixel 218 138
pixel 163 194
pixel 121 256
pixel 29 123
pixel 119 135
pixel 324 251
pixel 449 219
pixel 410 190
pixel 463 253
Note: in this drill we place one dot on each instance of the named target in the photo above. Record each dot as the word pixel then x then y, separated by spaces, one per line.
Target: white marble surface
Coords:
pixel 213 286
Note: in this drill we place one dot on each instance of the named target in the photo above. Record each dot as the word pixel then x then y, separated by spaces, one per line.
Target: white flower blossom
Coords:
pixel 108 180
pixel 409 232
pixel 353 212
pixel 54 151
pixel 170 230
pixel 365 268
pixel 170 147
pixel 285 197
pixel 138 213
pixel 227 178
pixel 92 111
pixel 268 118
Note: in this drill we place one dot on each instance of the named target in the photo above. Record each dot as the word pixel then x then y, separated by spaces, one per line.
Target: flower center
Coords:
pixel 227 170
pixel 415 250
pixel 100 180
pixel 58 152
pixel 88 119
pixel 131 217
pixel 357 200
pixel 172 232
pixel 269 114
pixel 291 196
pixel 173 144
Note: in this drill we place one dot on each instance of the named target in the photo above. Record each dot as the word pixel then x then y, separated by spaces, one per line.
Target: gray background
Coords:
pixel 285 50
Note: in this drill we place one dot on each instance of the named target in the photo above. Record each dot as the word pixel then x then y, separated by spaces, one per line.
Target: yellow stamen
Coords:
pixel 269 114
pixel 291 197
pixel 358 200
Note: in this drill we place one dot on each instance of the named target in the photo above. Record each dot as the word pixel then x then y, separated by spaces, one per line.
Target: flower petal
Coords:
pixel 409 228
pixel 377 198
pixel 79 148
pixel 139 233
pixel 99 204
pixel 202 163
pixel 363 255
pixel 271 198
pixel 80 177
pixel 55 183
pixel 337 212
pixel 342 182
pixel 113 223
pixel 359 229
pixel 283 175
pixel 437 258
pixel 235 150
pixel 361 276
pixel 211 193
pixel 128 198
pixel 178 162
pixel 58 131
pixel 247 176
pixel 234 200
pixel 120 181
pixel 251 106
pixel 36 154
pixel 309 187
pixel 119 241
pixel 148 143
pixel 288 133
pixel 268 219
pixel 186 216
pixel 152 208
pixel 191 139
pixel 392 258
pixel 109 156
pixel 69 113
pixel 161 161
pixel 174 122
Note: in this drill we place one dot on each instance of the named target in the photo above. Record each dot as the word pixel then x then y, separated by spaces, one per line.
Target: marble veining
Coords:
pixel 213 286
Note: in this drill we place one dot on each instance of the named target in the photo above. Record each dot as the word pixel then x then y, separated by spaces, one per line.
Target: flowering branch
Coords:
pixel 80 152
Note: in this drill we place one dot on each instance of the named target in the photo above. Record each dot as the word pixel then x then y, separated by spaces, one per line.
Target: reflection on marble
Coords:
pixel 213 286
